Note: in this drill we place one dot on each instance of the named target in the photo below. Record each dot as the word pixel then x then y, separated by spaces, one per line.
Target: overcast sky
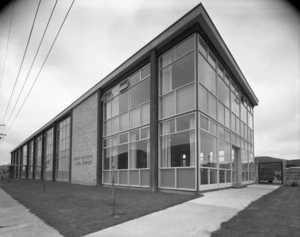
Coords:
pixel 262 35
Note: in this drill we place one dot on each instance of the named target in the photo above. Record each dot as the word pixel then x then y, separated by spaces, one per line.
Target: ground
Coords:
pixel 276 214
pixel 77 210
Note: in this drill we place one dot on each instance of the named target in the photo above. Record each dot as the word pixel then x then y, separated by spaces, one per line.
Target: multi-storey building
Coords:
pixel 176 115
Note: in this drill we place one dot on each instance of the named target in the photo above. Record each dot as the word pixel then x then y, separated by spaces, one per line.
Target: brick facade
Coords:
pixel 84 142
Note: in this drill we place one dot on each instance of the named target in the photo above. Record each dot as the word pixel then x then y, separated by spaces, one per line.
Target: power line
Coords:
pixel 8 39
pixel 42 65
pixel 22 61
pixel 32 62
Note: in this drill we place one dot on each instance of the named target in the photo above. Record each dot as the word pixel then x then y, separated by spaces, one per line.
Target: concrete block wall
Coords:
pixel 84 142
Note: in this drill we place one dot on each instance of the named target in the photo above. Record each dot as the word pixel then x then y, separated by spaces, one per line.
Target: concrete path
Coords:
pixel 16 220
pixel 198 217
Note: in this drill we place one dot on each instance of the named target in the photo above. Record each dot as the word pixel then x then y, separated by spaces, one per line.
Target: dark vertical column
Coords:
pixel 21 163
pixel 27 166
pixel 54 151
pixel 197 114
pixel 154 122
pixel 71 140
pixel 34 158
pixel 43 162
pixel 99 137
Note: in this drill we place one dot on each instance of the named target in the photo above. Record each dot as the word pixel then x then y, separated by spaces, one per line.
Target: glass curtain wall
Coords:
pixel 177 103
pixel 30 160
pixel 24 162
pixel 48 150
pixel 38 157
pixel 126 144
pixel 226 120
pixel 62 150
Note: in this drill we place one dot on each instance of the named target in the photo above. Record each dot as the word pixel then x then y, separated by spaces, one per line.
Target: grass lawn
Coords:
pixel 76 210
pixel 276 214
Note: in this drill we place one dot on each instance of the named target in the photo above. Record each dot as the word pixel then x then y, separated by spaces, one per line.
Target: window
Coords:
pixel 38 157
pixel 203 99
pixel 224 155
pixel 128 104
pixel 223 92
pixel 208 150
pixel 177 142
pixel 176 82
pixel 207 75
pixel 48 154
pixel 140 93
pixel 63 150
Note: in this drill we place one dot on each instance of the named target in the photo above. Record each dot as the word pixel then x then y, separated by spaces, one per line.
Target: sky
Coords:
pixel 262 35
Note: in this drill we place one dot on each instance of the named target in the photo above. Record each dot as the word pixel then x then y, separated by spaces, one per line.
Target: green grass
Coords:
pixel 275 214
pixel 77 210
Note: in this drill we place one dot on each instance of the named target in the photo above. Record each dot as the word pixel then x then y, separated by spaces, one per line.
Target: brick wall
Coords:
pixel 84 142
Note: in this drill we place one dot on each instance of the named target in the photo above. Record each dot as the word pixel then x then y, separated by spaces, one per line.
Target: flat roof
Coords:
pixel 197 15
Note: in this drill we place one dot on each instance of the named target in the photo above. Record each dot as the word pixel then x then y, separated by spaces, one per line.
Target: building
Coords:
pixel 277 170
pixel 176 115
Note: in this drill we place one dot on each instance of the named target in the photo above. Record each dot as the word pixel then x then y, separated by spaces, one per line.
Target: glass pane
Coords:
pixel 145 133
pixel 227 136
pixel 123 102
pixel 167 105
pixel 227 118
pixel 168 127
pixel 224 155
pixel 106 159
pixel 115 106
pixel 213 127
pixel 208 149
pixel 220 70
pixel 168 58
pixel 114 140
pixel 140 93
pixel 145 114
pixel 185 122
pixel 212 59
pixel 123 157
pixel 185 47
pixel 221 132
pixel 223 92
pixel 213 176
pixel 183 71
pixel 135 78
pixel 139 155
pixel 115 125
pixel 233 122
pixel 135 117
pixel 124 121
pixel 166 80
pixel 123 138
pixel 202 47
pixel 210 78
pixel 145 71
pixel 221 113
pixel 212 106
pixel 204 176
pixel 243 114
pixel 186 99
pixel 203 122
pixel 179 149
pixel 203 99
pixel 134 135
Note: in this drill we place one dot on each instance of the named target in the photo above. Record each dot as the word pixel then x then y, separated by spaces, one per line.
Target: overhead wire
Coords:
pixel 41 66
pixel 7 44
pixel 35 56
pixel 20 68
